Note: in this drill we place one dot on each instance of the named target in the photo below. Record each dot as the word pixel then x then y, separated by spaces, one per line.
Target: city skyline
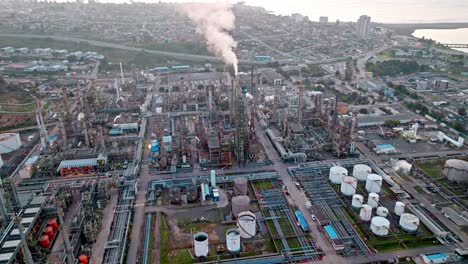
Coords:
pixel 384 11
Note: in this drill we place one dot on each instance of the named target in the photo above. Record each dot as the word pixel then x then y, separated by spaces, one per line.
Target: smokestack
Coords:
pixel 213 21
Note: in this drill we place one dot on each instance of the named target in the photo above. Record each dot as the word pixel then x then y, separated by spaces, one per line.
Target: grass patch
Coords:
pixel 419 189
pixel 164 240
pixel 432 169
pixel 181 256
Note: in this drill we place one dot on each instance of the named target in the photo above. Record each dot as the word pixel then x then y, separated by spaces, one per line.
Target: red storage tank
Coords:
pixel 49 231
pixel 53 223
pixel 44 241
pixel 83 259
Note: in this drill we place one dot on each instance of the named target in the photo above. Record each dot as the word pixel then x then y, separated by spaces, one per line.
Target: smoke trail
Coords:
pixel 213 20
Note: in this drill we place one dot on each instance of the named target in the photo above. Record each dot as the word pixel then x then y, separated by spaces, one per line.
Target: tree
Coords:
pixel 363 111
pixel 337 73
pixel 458 126
pixel 349 70
pixel 392 123
pixel 72 58
pixel 461 111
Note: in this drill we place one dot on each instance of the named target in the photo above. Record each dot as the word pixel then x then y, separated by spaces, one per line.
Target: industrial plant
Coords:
pixel 275 148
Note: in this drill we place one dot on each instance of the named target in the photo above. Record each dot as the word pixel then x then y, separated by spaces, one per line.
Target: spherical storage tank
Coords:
pixel 366 213
pixel 456 170
pixel 373 183
pixel 361 171
pixel 382 211
pixel 240 186
pixel 380 226
pixel 348 186
pixel 337 173
pixel 240 204
pixel 44 241
pixel 233 241
pixel 200 244
pixel 373 200
pixel 247 224
pixel 399 208
pixel 9 142
pixel 357 201
pixel 409 222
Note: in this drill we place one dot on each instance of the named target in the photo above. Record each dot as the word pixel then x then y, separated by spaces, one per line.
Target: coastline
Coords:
pixel 409 28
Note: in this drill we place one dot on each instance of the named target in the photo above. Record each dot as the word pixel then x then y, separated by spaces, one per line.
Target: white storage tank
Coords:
pixel 373 200
pixel 380 226
pixel 399 208
pixel 213 178
pixel 456 170
pixel 240 186
pixel 373 183
pixel 348 186
pixel 382 211
pixel 240 204
pixel 366 213
pixel 357 201
pixel 200 244
pixel 409 222
pixel 361 171
pixel 247 224
pixel 9 142
pixel 233 241
pixel 337 173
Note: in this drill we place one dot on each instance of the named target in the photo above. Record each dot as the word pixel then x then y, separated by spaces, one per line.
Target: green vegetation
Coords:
pixel 349 69
pixel 354 98
pixel 179 47
pixel 395 67
pixel 306 72
pixel 389 53
pixel 164 241
pixel 419 189
pixel 392 123
pixel 113 56
pixel 432 169
pixel 402 91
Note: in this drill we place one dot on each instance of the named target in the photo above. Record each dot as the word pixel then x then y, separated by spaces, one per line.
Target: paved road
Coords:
pixel 298 197
pixel 138 223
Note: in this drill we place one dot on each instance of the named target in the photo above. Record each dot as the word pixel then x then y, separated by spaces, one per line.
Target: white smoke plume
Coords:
pixel 403 166
pixel 213 21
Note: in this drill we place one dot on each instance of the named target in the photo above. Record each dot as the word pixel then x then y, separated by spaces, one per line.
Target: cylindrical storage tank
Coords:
pixel 200 244
pixel 53 223
pixel 366 213
pixel 83 259
pixel 361 171
pixel 380 226
pixel 399 208
pixel 233 241
pixel 409 222
pixel 456 170
pixel 9 142
pixel 373 183
pixel 49 231
pixel 348 186
pixel 337 173
pixel 240 186
pixel 213 178
pixel 44 241
pixel 357 201
pixel 373 200
pixel 382 211
pixel 240 204
pixel 247 224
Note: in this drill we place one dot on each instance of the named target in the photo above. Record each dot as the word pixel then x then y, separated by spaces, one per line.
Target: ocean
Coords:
pixel 449 36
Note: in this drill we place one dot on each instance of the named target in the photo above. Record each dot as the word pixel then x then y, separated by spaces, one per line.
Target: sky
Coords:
pixel 390 11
